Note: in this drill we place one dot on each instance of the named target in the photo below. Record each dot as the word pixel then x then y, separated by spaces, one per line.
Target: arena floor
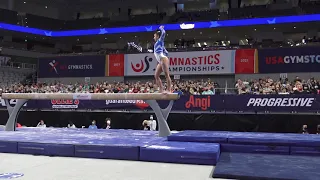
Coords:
pixel 238 155
pixel 59 168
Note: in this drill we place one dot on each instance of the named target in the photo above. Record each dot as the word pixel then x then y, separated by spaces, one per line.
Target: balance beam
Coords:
pixel 91 96
pixel 150 98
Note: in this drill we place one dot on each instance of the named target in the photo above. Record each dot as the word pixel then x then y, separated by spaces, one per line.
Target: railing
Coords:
pixel 216 91
pixel 18 65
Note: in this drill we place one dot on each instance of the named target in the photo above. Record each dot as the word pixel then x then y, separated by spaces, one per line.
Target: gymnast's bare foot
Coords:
pixel 165 92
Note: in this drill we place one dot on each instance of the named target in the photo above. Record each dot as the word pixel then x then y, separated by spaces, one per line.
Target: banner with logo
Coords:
pixel 298 59
pixel 197 104
pixel 72 66
pixel 114 65
pixel 272 103
pixel 246 61
pixel 182 63
pixel 185 103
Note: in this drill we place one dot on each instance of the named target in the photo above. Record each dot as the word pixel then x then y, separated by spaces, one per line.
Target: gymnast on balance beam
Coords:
pixel 161 55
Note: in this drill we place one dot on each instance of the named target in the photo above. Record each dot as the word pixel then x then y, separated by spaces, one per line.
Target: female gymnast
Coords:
pixel 161 54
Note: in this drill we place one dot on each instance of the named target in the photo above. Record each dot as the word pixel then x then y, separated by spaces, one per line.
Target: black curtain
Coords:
pixel 176 7
pixel 210 122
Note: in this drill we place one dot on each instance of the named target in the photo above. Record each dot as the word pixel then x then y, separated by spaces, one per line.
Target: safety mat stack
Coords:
pixel 107 144
pixel 252 142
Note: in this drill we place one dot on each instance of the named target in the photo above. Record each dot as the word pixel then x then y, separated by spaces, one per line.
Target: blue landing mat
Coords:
pixel 123 132
pixel 181 152
pixel 287 139
pixel 262 149
pixel 113 144
pixel 200 136
pixel 253 138
pixel 8 147
pixel 262 166
pixel 310 151
pixel 75 136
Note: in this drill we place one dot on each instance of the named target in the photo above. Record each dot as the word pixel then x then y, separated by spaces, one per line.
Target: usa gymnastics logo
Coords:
pixel 143 66
pixel 10 175
pixel 54 65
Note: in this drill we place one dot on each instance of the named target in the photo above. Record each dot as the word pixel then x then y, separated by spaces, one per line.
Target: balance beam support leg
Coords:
pixel 13 113
pixel 162 116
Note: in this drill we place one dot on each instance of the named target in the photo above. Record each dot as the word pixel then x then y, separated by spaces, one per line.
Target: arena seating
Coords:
pixel 310 7
pixel 8 16
pixel 262 11
pixel 132 20
pixel 206 15
pixel 246 11
pixel 9 76
pixel 194 87
pixel 237 155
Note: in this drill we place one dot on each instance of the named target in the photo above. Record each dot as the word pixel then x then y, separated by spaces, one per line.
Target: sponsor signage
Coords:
pixel 200 102
pixel 273 103
pixel 115 65
pixel 246 61
pixel 12 102
pixel 183 63
pixel 72 66
pixel 64 104
pixel 196 104
pixel 298 59
pixel 280 102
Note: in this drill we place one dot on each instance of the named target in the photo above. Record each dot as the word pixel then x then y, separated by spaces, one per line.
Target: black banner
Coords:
pixel 199 104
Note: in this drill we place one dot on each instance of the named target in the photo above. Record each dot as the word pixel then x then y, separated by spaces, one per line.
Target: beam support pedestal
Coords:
pixel 162 116
pixel 13 113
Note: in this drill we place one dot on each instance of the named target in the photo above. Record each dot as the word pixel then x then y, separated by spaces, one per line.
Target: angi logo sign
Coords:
pixel 143 66
pixel 199 102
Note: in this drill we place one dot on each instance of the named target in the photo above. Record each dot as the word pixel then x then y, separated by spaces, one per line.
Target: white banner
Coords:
pixel 183 63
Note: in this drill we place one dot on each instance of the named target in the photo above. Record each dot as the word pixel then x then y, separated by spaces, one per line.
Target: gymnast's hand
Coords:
pixel 161 27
